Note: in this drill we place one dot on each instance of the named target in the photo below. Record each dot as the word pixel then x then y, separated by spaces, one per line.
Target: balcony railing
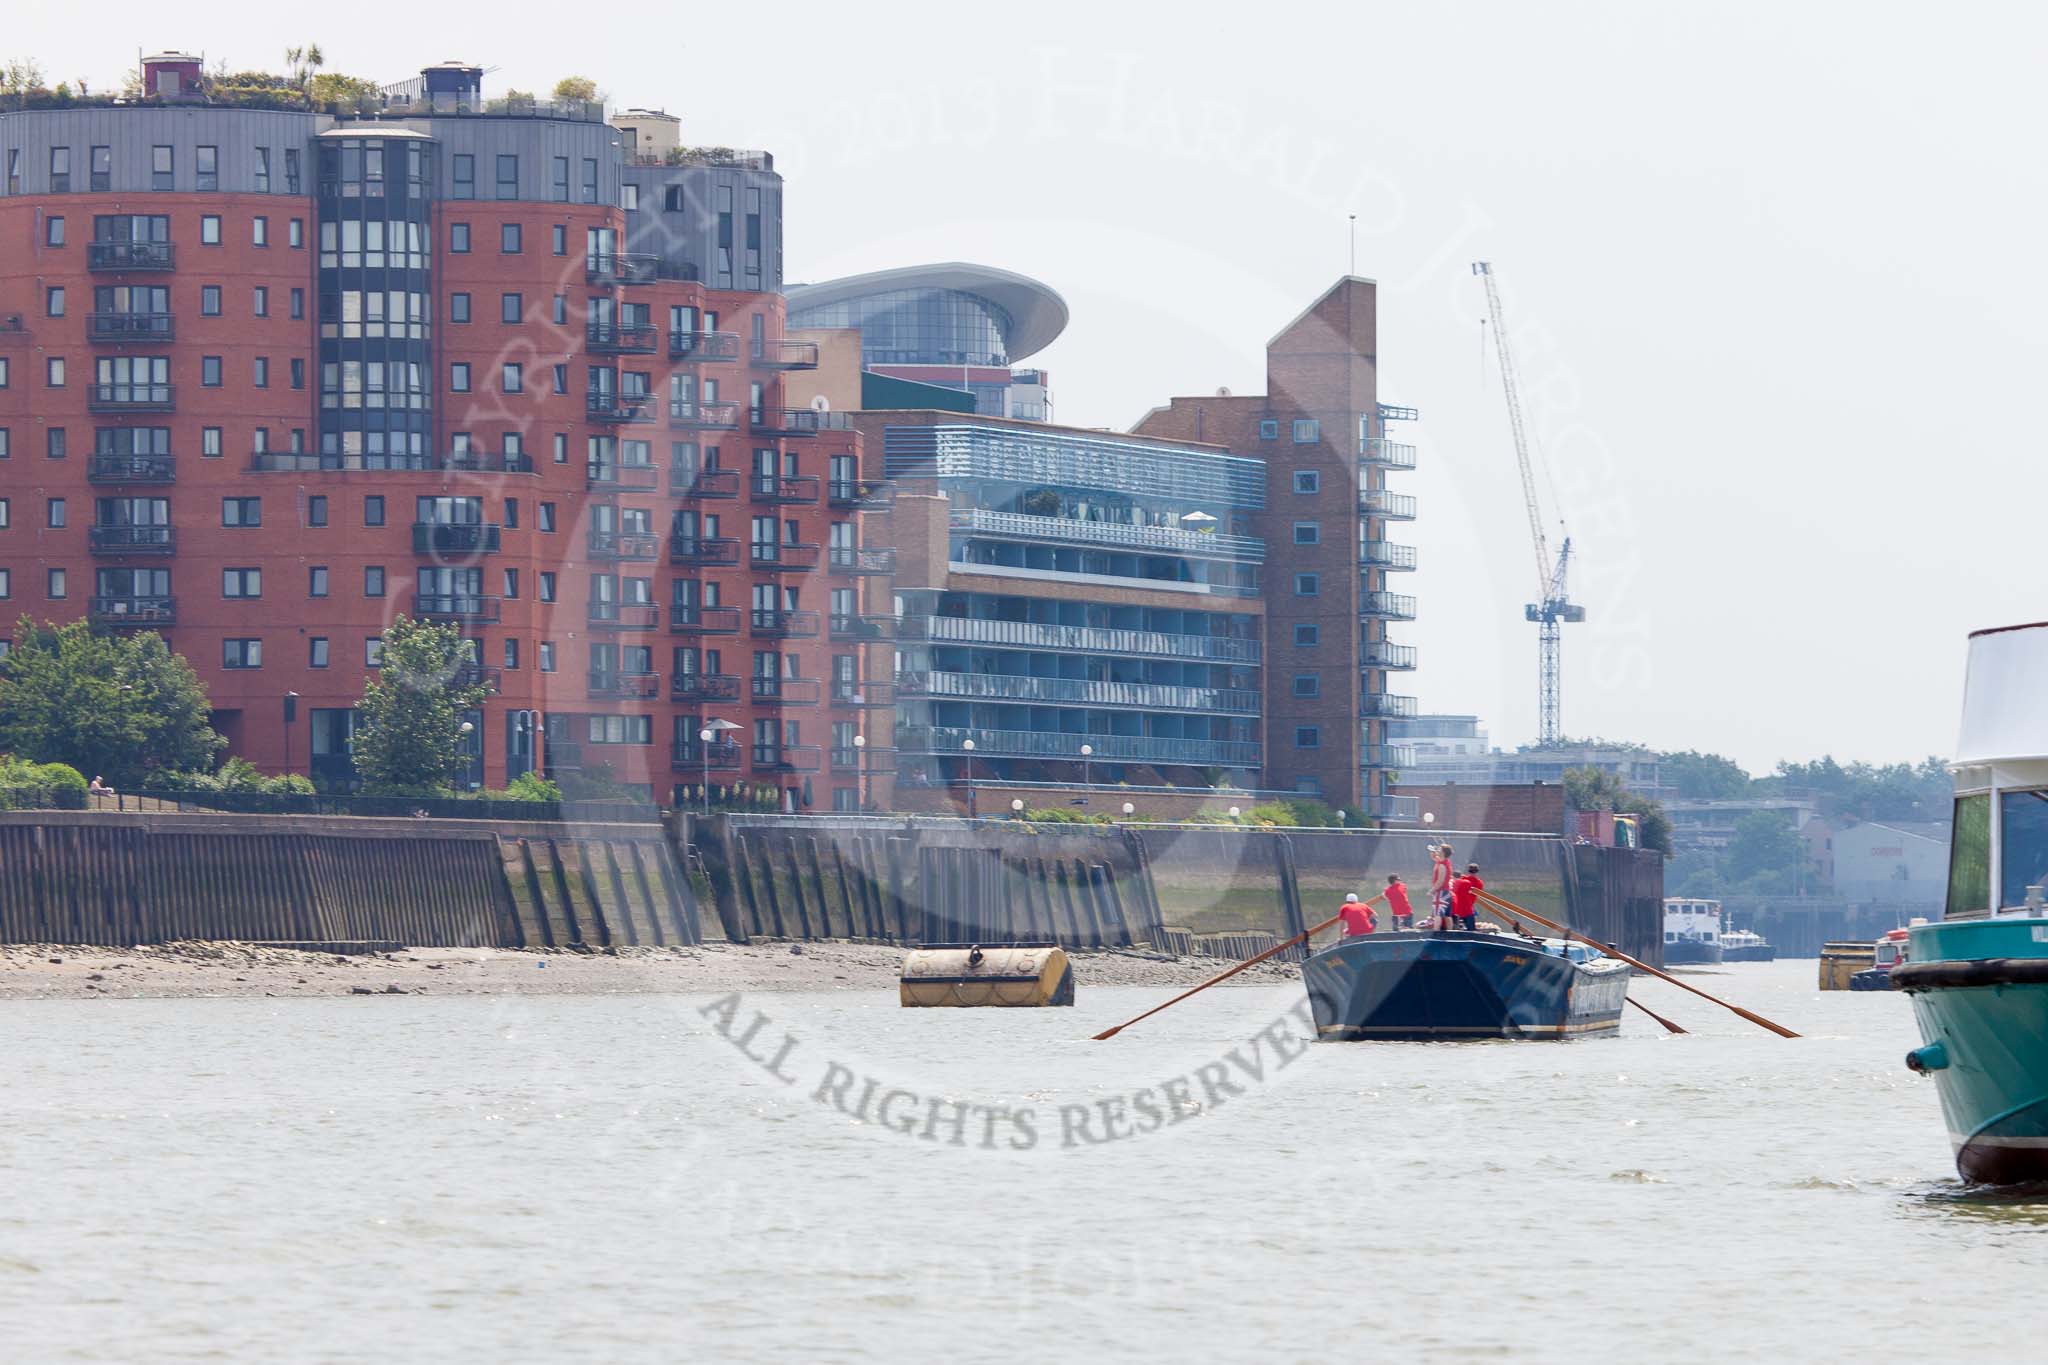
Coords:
pixel 131 469
pixel 704 416
pixel 772 556
pixel 1378 502
pixel 477 461
pixel 860 496
pixel 1386 706
pixel 472 674
pixel 455 538
pixel 772 623
pixel 308 461
pixel 612 474
pixel 777 353
pixel 692 754
pixel 1378 452
pixel 782 487
pixel 703 346
pixel 135 611
pixel 858 559
pixel 1393 810
pixel 617 407
pixel 1080 691
pixel 796 421
pixel 875 694
pixel 847 626
pixel 1387 655
pixel 624 616
pixel 624 686
pixel 704 687
pixel 703 551
pixel 130 327
pixel 1091 639
pixel 131 398
pixel 785 691
pixel 787 758
pixel 1207 753
pixel 862 758
pixel 611 338
pixel 133 540
pixel 130 256
pixel 624 545
pixel 1389 756
pixel 1074 531
pixel 1380 554
pixel 463 606
pixel 611 267
pixel 1386 606
pixel 704 620
pixel 704 483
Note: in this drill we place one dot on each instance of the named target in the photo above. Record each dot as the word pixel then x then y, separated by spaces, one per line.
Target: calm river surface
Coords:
pixel 614 1179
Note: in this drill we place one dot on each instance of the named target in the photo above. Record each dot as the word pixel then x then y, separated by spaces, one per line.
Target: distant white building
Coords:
pixel 1897 863
pixel 1448 748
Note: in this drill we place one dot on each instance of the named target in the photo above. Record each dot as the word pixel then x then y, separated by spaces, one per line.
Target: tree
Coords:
pixel 410 721
pixel 115 706
pixel 20 76
pixel 1703 777
pixel 576 88
pixel 1765 854
pixel 1594 789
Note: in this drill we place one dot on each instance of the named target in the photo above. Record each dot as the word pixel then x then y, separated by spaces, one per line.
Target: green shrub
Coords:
pixel 528 787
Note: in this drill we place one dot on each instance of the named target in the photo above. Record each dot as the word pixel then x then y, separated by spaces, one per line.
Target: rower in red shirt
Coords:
pixel 1397 901
pixel 1358 917
pixel 1465 898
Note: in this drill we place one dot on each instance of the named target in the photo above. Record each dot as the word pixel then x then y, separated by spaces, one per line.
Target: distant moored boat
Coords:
pixel 1458 985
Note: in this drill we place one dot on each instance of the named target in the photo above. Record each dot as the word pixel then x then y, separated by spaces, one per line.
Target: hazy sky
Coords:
pixel 1770 269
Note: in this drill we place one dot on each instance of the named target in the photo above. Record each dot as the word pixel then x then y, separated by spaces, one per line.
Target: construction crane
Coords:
pixel 1554 607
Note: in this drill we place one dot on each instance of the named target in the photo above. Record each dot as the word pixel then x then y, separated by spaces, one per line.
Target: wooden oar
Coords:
pixel 1225 976
pixel 1754 1018
pixel 1669 1027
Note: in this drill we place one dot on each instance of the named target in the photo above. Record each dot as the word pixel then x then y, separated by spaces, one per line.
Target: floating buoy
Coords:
pixel 971 976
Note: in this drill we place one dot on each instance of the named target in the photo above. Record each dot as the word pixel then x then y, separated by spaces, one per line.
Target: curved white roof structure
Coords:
pixel 1037 314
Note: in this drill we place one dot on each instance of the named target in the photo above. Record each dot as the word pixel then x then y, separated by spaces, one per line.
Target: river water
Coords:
pixel 617 1178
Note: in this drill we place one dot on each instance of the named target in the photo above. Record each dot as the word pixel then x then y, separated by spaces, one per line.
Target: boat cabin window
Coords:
pixel 2022 843
pixel 1969 856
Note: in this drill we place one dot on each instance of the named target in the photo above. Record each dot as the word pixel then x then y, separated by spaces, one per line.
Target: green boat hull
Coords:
pixel 1980 994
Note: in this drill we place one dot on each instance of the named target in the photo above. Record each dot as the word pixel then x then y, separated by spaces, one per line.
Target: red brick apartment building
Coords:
pixel 270 378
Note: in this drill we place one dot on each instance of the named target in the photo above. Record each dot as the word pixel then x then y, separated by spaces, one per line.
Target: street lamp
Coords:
pixel 967 747
pixel 860 771
pixel 1233 812
pixel 712 729
pixel 1017 806
pixel 463 732
pixel 291 713
pixel 1087 752
pixel 1129 810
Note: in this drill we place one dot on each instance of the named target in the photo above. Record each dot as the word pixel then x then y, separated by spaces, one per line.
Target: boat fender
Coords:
pixel 1933 1057
pixel 976 975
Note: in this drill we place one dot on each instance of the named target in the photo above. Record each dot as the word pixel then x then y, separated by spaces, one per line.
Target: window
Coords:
pixel 561 440
pixel 206 166
pixel 508 238
pixel 259 303
pixel 1308 533
pixel 1308 736
pixel 209 230
pixel 209 371
pixel 558 240
pixel 262 372
pixel 259 231
pixel 1307 481
pixel 316 510
pixel 373 580
pixel 373 509
pixel 547 516
pixel 209 300
pixel 509 380
pixel 511 504
pixel 464 173
pixel 558 179
pixel 57 585
pixel 6 583
pixel 629 197
pixel 547 656
pixel 373 653
pixel 316 581
pixel 458 238
pixel 458 308
pixel 3 372
pixel 547 585
pixel 561 384
pixel 511 307
pixel 1308 684
pixel 1307 637
pixel 619 729
pixel 60 170
pixel 291 170
pixel 1269 429
pixel 298 304
pixel 316 652
pixel 241 582
pixel 53 371
pixel 209 442
pixel 511 585
pixel 241 654
pixel 53 443
pixel 6 513
pixel 241 511
pixel 508 176
pixel 458 377
pixel 298 372
pixel 560 315
pixel 590 180
pixel 263 170
pixel 295 234
pixel 54 235
pixel 102 168
pixel 1307 431
pixel 53 301
pixel 1307 585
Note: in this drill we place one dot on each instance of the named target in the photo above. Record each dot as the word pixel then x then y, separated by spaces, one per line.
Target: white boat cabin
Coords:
pixel 1998 854
pixel 1687 920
